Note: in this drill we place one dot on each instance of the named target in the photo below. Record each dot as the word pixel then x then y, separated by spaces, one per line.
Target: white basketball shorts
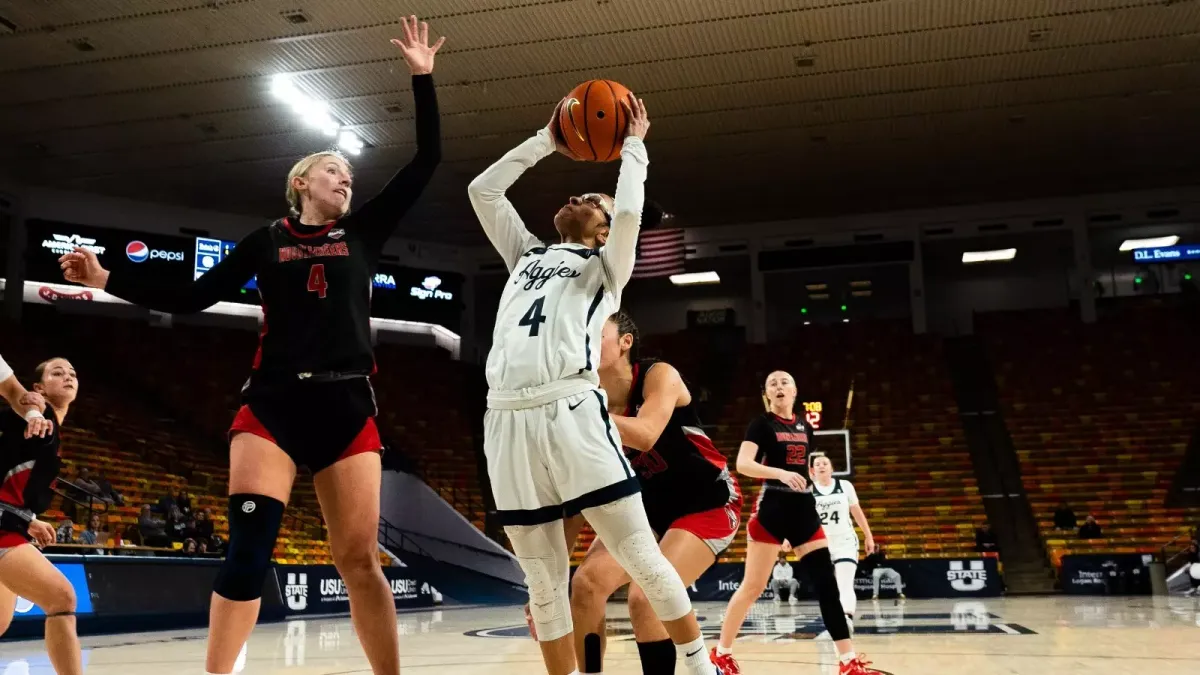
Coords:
pixel 556 459
pixel 843 547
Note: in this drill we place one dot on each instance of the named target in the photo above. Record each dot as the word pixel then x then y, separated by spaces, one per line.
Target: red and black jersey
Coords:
pixel 30 467
pixel 782 444
pixel 683 473
pixel 314 280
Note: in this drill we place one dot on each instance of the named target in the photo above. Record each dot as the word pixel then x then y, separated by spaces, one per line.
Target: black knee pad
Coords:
pixel 253 527
pixel 818 566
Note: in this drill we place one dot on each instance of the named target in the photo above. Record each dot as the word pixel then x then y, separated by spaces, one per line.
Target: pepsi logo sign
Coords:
pixel 139 252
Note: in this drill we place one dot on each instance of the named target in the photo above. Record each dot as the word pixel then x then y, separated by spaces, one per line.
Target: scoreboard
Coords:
pixel 812 413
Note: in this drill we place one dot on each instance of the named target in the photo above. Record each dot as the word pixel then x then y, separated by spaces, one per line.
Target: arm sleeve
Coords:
pixel 225 278
pixel 496 213
pixel 620 251
pixel 851 493
pixel 379 217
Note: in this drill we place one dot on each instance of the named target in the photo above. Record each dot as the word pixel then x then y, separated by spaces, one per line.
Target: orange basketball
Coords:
pixel 592 121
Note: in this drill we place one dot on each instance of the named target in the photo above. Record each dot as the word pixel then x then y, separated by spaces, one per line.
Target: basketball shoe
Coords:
pixel 725 663
pixel 858 666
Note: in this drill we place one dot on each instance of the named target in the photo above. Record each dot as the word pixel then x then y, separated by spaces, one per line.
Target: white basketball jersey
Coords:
pixel 550 318
pixel 558 297
pixel 833 506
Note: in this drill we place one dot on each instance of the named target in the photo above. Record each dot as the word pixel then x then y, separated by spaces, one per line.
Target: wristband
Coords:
pixel 34 414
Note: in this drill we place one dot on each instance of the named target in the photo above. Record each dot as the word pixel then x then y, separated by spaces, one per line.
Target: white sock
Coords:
pixel 847 657
pixel 722 651
pixel 695 658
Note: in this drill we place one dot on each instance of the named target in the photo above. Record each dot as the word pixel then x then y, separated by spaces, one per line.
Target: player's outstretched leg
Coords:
pixel 690 556
pixel 760 558
pixel 542 553
pixel 260 481
pixel 25 571
pixel 352 514
pixel 623 527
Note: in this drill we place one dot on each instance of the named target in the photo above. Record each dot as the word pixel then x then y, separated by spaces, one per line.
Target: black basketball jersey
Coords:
pixel 29 467
pixel 683 473
pixel 314 280
pixel 782 444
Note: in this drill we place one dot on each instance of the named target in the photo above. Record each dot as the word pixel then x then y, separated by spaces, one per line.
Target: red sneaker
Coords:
pixel 859 666
pixel 725 663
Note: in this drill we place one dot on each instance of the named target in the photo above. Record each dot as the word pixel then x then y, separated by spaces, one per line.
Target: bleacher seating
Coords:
pixel 1100 416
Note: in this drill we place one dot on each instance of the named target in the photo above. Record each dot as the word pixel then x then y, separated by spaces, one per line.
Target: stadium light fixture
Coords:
pixel 695 278
pixel 314 113
pixel 1151 242
pixel 969 257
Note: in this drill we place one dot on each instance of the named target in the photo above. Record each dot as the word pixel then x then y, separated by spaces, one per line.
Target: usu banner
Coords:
pixel 1106 574
pixel 318 589
pixel 920 578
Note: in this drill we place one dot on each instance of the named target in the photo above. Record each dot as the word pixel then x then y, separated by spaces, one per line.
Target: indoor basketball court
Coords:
pixel 1097 636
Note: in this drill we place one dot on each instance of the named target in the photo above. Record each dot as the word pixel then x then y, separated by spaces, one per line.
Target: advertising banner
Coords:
pixel 318 589
pixel 1106 574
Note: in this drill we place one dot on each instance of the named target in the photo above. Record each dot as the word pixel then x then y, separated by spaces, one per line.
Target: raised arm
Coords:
pixel 225 278
pixel 379 217
pixel 500 221
pixel 620 251
pixel 664 391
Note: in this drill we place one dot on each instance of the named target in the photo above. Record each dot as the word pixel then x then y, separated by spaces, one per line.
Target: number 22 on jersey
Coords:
pixel 316 280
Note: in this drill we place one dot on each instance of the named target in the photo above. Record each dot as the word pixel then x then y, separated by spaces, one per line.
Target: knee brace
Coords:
pixel 845 571
pixel 542 554
pixel 253 527
pixel 818 565
pixel 624 529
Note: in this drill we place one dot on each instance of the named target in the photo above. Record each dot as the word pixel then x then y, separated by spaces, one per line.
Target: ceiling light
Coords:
pixel 815 287
pixel 845 320
pixel 695 278
pixel 1152 242
pixel 860 284
pixel 988 256
pixel 350 142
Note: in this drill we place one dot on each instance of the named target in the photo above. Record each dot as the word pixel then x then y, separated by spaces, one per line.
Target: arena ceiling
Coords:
pixel 761 109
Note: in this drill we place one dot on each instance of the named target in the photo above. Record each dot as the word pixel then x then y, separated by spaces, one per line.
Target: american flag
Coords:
pixel 660 253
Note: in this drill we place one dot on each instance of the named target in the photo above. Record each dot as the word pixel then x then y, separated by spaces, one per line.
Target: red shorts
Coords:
pixel 315 458
pixel 715 527
pixel 12 539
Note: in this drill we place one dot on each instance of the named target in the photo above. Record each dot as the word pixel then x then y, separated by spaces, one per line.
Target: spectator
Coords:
pixel 1090 529
pixel 189 528
pixel 202 547
pixel 164 505
pixel 1064 517
pixel 204 526
pixel 184 501
pixel 66 532
pixel 93 535
pixel 107 492
pixel 176 523
pixel 783 576
pixel 84 482
pixel 153 530
pixel 985 540
pixel 189 547
pixel 132 536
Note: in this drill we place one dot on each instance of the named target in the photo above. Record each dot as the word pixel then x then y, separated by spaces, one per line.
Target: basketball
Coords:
pixel 592 121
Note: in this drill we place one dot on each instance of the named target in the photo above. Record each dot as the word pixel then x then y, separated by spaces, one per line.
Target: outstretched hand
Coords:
pixel 639 121
pixel 81 266
pixel 556 131
pixel 414 46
